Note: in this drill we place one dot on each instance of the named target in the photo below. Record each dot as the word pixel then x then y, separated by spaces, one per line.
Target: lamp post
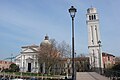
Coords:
pixel 99 44
pixel 72 12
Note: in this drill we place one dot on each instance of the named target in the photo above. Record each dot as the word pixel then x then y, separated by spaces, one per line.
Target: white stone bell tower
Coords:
pixel 94 42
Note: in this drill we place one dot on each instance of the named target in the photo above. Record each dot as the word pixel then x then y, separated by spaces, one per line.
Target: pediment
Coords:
pixel 29 50
pixel 29 58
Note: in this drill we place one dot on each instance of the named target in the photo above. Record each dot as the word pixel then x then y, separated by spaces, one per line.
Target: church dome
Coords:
pixel 45 41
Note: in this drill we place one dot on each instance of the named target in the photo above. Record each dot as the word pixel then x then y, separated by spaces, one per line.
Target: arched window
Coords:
pixel 89 17
pixel 94 16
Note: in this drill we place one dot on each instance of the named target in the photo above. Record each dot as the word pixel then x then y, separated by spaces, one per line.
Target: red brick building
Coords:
pixel 4 64
pixel 108 60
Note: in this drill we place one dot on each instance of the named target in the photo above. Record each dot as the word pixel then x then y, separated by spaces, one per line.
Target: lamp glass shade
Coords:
pixel 72 11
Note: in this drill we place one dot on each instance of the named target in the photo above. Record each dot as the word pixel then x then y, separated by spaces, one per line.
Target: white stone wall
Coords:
pixel 27 56
pixel 93 38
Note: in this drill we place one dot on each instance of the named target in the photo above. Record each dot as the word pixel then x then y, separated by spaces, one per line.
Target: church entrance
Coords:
pixel 29 67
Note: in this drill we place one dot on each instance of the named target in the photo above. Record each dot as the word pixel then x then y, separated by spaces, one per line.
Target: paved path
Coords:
pixel 90 76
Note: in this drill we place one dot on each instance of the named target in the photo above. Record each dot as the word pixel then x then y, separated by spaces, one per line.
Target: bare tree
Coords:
pixel 64 49
pixel 49 55
pixel 65 53
pixel 52 54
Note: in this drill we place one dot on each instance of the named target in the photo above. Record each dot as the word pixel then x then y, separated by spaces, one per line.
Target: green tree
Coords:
pixel 14 68
pixel 116 67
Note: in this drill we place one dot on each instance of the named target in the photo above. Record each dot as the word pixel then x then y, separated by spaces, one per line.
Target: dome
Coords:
pixel 46 41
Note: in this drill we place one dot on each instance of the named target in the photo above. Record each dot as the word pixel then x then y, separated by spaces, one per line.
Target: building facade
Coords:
pixel 108 60
pixel 94 42
pixel 27 59
pixel 4 64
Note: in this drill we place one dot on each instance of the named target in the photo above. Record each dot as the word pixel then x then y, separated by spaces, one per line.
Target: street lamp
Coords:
pixel 99 44
pixel 72 12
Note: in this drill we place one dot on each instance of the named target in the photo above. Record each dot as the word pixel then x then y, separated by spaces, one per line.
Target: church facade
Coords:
pixel 27 59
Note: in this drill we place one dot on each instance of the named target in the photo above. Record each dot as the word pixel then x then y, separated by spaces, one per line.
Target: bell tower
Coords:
pixel 94 42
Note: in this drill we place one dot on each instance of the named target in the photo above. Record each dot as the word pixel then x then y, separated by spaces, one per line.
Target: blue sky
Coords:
pixel 26 22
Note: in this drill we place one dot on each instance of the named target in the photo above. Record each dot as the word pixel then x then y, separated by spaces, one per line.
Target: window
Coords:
pixel 94 16
pixel 35 64
pixel 89 17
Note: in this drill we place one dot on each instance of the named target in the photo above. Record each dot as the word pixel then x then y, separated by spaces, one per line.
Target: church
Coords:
pixel 27 60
